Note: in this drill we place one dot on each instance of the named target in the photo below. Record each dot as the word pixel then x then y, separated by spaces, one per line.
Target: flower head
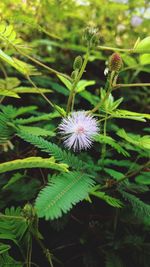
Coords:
pixel 78 129
pixel 115 62
pixel 136 21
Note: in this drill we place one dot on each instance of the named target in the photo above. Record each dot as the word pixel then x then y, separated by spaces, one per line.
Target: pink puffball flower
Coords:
pixel 78 130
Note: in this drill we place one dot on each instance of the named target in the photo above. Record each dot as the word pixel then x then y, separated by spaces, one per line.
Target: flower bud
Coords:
pixel 74 74
pixel 77 63
pixel 115 62
pixel 28 211
pixel 91 36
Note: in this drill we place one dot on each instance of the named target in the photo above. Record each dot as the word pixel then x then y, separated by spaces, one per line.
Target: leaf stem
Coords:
pixel 126 50
pixel 43 65
pixel 98 106
pixel 43 95
pixel 116 86
pixel 72 92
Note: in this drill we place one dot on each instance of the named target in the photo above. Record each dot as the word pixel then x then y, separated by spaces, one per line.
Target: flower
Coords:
pixel 136 21
pixel 115 62
pixel 78 130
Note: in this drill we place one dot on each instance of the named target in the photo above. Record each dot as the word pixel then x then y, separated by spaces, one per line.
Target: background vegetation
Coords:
pixel 59 207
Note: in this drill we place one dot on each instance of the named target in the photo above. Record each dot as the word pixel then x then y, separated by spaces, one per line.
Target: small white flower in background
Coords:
pixel 136 21
pixel 78 130
pixel 121 27
pixel 106 70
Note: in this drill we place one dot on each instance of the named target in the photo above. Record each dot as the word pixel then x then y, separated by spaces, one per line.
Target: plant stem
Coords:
pixel 116 86
pixel 98 106
pixel 43 95
pixel 126 50
pixel 29 251
pixel 104 145
pixel 43 65
pixel 72 92
pixel 126 176
pixel 44 249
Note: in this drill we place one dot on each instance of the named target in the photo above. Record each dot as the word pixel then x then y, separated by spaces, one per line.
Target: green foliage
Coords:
pixel 32 162
pixel 113 260
pixel 8 35
pixel 45 39
pixel 13 226
pixel 63 192
pixel 114 202
pixel 113 173
pixel 142 142
pixel 110 141
pixel 143 46
pixel 140 209
pixel 52 149
pixel 143 178
pixel 7 260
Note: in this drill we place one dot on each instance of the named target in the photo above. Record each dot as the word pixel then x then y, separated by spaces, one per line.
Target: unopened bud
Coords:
pixel 91 36
pixel 115 62
pixel 28 211
pixel 77 63
pixel 74 74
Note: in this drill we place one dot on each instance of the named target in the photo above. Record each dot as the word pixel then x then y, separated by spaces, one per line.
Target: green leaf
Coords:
pixel 114 202
pixel 16 177
pixel 37 131
pixel 8 93
pixel 113 173
pixel 143 142
pixel 13 228
pixel 113 260
pixel 140 208
pixel 32 162
pixel 82 84
pixel 30 90
pixel 144 59
pixel 143 46
pixel 126 114
pixel 4 248
pixel 110 141
pixel 143 178
pixel 52 149
pixel 65 81
pixel 22 67
pixel 62 194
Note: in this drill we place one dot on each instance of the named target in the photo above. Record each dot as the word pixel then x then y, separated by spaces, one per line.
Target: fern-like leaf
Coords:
pixel 52 149
pixel 32 162
pixel 8 35
pixel 140 208
pixel 62 194
pixel 114 202
pixel 13 228
pixel 113 260
pixel 110 141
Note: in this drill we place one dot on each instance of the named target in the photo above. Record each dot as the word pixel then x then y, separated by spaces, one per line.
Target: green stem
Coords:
pixel 44 96
pixel 115 49
pixel 44 249
pixel 126 50
pixel 43 65
pixel 41 93
pixel 29 251
pixel 126 176
pixel 104 145
pixel 130 85
pixel 98 106
pixel 72 92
